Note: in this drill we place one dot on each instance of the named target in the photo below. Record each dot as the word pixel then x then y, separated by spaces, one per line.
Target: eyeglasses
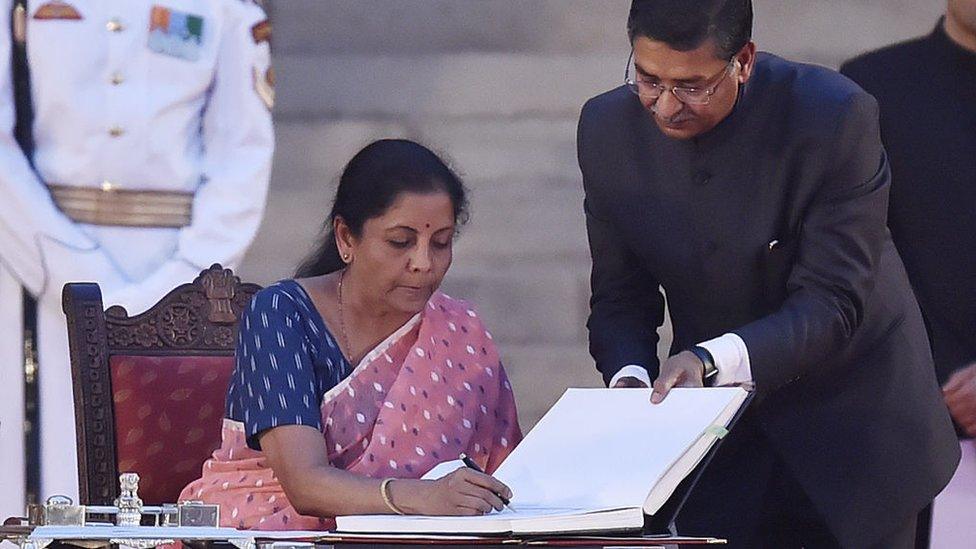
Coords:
pixel 690 95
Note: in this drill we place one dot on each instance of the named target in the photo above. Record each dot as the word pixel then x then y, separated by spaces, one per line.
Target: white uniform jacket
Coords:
pixel 161 95
pixel 117 107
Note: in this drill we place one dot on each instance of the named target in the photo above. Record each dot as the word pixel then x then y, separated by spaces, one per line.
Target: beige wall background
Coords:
pixel 496 87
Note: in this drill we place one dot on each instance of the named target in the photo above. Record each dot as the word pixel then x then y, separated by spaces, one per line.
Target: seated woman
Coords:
pixel 307 436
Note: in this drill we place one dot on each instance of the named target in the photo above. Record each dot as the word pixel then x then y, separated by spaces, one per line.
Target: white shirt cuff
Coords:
pixel 731 359
pixel 632 370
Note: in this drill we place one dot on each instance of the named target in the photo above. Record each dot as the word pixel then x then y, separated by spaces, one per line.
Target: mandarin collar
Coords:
pixel 953 51
pixel 725 129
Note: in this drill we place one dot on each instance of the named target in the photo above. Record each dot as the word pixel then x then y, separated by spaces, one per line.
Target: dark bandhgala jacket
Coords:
pixel 928 125
pixel 772 226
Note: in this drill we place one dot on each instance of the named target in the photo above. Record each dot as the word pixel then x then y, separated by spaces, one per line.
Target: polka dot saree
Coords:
pixel 431 390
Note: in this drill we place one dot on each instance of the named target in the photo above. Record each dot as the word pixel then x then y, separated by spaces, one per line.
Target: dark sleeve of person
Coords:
pixel 626 305
pixel 839 246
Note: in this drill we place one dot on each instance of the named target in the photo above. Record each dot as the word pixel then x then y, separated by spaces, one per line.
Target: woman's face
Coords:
pixel 402 255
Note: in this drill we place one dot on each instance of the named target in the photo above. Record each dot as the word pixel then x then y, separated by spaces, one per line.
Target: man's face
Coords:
pixel 964 13
pixel 698 68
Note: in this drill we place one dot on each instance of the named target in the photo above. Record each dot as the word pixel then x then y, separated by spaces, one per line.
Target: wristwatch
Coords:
pixel 708 363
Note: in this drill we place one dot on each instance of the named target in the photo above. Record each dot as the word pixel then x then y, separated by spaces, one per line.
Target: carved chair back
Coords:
pixel 149 389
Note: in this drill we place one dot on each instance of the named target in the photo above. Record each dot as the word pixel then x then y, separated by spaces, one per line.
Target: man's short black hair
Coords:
pixel 686 24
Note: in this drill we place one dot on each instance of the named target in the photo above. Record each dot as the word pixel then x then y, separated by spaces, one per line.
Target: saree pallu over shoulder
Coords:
pixel 424 400
pixel 433 389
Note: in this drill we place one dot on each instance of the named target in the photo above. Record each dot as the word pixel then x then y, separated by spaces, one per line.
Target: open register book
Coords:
pixel 598 461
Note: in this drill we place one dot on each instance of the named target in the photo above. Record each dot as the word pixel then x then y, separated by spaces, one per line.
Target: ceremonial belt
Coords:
pixel 123 207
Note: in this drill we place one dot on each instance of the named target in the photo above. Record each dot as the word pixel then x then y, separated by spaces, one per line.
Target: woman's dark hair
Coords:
pixel 686 24
pixel 371 183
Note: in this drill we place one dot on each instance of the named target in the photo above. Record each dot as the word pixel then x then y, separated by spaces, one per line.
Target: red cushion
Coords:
pixel 167 418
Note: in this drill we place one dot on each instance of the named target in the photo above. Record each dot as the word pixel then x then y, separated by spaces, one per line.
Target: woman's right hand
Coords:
pixel 463 492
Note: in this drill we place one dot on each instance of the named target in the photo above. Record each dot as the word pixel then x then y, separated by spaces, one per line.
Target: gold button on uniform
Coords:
pixel 115 25
pixel 117 78
pixel 116 131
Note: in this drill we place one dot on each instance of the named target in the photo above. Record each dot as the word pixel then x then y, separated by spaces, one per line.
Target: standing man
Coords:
pixel 928 125
pixel 152 151
pixel 754 191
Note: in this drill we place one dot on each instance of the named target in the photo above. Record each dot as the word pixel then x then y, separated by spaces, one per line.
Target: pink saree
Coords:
pixel 433 389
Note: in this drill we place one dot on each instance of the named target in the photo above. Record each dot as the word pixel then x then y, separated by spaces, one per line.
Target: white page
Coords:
pixel 606 448
pixel 443 469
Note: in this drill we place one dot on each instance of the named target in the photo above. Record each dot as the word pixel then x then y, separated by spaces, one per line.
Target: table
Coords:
pixel 144 537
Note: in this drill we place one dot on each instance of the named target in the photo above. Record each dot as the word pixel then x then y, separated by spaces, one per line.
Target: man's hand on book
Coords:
pixel 682 370
pixel 463 492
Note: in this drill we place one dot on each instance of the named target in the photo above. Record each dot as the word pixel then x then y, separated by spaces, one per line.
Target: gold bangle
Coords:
pixel 385 492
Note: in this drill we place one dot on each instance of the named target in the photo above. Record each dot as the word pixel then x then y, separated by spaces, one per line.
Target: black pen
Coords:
pixel 470 464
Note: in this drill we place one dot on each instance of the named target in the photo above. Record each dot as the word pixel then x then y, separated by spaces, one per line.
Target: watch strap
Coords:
pixel 708 362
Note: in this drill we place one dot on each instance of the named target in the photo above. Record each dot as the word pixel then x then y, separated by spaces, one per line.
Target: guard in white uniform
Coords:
pixel 153 144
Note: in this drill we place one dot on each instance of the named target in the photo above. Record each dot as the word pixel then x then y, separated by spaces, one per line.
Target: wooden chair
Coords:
pixel 149 390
